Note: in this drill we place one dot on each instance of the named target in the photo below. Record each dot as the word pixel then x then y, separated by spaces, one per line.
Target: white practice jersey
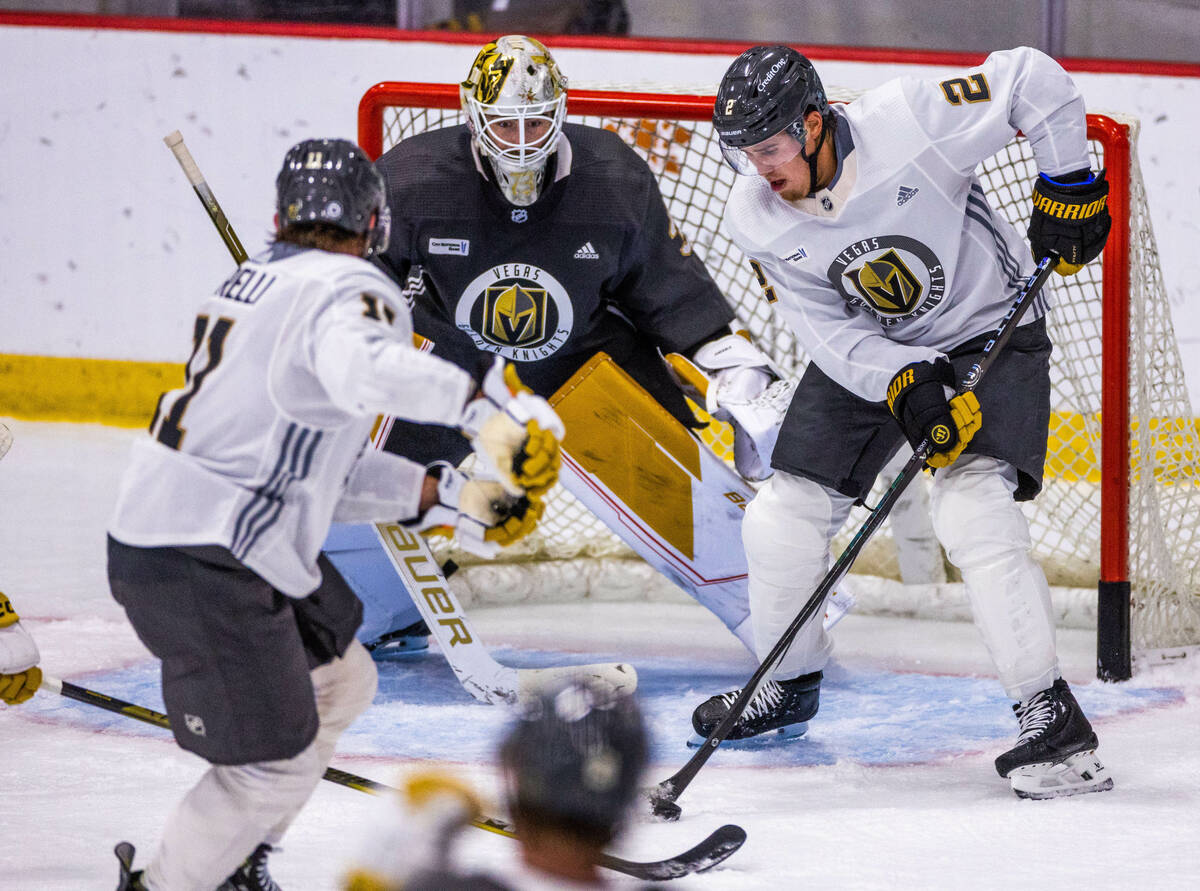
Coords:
pixel 901 259
pixel 264 446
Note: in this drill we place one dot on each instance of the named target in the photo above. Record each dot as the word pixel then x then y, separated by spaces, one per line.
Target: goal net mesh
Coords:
pixel 573 554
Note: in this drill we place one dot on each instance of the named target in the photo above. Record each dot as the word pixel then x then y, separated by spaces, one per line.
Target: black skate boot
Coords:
pixel 1055 754
pixel 127 879
pixel 412 640
pixel 252 875
pixel 780 710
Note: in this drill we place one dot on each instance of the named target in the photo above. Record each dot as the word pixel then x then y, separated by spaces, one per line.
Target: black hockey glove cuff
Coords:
pixel 1069 218
pixel 917 398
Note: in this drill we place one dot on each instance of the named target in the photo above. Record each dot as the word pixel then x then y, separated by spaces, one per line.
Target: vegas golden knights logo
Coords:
pixel 887 284
pixel 490 71
pixel 514 314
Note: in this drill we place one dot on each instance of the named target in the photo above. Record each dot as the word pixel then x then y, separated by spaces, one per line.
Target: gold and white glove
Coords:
pixel 738 383
pixel 19 675
pixel 414 831
pixel 515 433
pixel 479 512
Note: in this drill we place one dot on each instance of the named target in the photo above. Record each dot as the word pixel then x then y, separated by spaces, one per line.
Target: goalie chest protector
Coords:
pixel 592 263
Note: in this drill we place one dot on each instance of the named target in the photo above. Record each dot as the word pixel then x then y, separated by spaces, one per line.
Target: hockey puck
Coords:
pixel 667 810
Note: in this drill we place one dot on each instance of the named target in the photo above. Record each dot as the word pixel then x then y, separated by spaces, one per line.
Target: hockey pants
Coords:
pixel 234 808
pixel 787 533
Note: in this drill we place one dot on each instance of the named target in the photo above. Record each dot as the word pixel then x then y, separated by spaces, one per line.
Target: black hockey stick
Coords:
pixel 722 843
pixel 663 796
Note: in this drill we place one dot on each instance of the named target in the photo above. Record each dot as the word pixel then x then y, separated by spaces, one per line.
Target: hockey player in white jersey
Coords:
pixel 869 227
pixel 214 544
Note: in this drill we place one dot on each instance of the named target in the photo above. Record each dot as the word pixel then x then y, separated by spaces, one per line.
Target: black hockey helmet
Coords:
pixel 575 757
pixel 767 89
pixel 332 181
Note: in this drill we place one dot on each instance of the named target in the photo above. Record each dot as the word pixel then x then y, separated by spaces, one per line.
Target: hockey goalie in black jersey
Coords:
pixel 546 243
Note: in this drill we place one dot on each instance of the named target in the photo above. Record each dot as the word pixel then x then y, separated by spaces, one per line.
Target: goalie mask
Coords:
pixel 515 99
pixel 333 182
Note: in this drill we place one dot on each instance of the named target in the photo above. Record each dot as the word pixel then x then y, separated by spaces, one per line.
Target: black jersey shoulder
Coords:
pixel 606 174
pixel 434 164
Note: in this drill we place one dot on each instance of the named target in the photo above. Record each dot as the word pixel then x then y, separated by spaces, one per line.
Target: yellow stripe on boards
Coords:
pixel 123 393
pixel 106 391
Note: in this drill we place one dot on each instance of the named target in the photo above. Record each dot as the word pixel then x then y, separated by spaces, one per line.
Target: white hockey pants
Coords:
pixel 986 536
pixel 786 534
pixel 234 808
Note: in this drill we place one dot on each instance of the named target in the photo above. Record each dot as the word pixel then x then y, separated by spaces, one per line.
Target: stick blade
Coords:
pixel 615 678
pixel 718 847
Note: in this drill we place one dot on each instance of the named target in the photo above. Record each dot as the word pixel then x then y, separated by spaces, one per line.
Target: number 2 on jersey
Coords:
pixel 170 432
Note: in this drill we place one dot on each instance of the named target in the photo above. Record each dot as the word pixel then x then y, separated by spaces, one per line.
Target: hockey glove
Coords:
pixel 478 512
pixel 738 383
pixel 1069 218
pixel 917 396
pixel 19 675
pixel 515 433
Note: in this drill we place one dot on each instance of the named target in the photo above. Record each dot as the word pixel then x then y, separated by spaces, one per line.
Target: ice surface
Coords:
pixel 892 788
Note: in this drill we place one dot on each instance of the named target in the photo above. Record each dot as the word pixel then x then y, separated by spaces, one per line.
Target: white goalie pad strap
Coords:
pixel 786 533
pixel 986 536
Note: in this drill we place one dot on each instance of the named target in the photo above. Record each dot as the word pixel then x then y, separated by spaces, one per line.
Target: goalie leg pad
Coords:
pixel 987 537
pixel 786 533
pixel 387 605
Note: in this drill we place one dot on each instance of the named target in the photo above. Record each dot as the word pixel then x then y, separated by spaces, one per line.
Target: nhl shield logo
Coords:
pixel 194 723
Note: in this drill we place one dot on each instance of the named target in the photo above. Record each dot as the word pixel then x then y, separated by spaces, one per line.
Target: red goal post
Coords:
pixel 1091 444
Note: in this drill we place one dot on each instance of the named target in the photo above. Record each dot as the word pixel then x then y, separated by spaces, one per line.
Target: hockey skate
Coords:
pixel 127 879
pixel 780 710
pixel 252 875
pixel 1055 754
pixel 412 640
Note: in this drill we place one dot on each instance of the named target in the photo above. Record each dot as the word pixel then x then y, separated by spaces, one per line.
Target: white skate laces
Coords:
pixel 768 697
pixel 1034 715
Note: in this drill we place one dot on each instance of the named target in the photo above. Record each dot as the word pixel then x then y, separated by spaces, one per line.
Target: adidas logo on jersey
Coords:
pixel 587 252
pixel 904 194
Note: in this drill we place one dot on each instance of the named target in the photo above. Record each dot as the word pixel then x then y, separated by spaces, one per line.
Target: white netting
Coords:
pixel 1066 517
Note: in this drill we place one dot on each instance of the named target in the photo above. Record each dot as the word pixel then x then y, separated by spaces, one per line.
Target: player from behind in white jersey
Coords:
pixel 870 226
pixel 213 548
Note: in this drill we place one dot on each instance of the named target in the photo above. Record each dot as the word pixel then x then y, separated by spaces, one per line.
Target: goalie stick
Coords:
pixel 664 795
pixel 719 845
pixel 478 673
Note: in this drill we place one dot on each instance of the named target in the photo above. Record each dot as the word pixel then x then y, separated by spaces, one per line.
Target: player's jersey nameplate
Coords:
pixel 517 310
pixel 893 277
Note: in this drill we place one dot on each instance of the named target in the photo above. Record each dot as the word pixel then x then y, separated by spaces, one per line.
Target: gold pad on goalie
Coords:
pixel 618 433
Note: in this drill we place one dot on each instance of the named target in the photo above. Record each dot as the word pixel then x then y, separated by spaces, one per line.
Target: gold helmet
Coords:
pixel 515 99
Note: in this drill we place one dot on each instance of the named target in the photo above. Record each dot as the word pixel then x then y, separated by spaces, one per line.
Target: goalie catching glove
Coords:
pixel 1069 218
pixel 917 396
pixel 738 383
pixel 19 675
pixel 515 433
pixel 479 512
